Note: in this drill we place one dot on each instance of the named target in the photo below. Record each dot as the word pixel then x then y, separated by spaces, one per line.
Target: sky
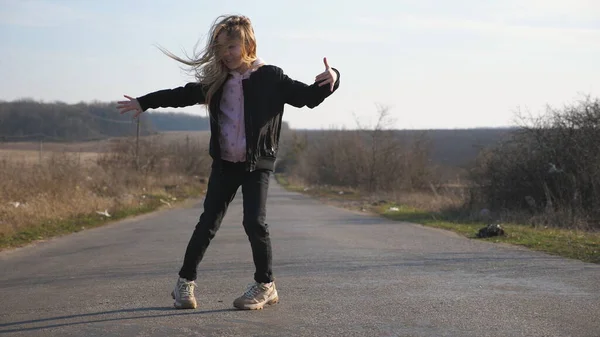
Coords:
pixel 433 64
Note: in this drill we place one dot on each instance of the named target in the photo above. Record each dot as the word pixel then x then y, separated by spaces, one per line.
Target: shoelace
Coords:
pixel 186 289
pixel 252 290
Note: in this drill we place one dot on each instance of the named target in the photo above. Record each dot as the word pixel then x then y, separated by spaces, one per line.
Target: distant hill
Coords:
pixel 460 147
pixel 449 147
pixel 25 120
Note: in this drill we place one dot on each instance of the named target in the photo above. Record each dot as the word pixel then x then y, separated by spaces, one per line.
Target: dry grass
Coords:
pixel 180 136
pixel 72 185
pixel 31 157
pixel 74 147
pixel 62 188
pixel 435 200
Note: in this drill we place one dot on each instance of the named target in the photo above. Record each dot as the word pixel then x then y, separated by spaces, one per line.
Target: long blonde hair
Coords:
pixel 207 64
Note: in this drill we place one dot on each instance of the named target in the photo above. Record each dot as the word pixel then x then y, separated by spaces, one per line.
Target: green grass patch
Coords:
pixel 581 245
pixel 576 244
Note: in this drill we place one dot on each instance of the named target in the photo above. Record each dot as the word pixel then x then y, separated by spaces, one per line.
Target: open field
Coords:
pixel 85 152
pixel 33 157
pixel 170 136
pixel 100 145
pixel 74 184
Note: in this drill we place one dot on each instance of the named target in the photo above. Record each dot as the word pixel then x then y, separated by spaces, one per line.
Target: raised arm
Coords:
pixel 299 94
pixel 190 94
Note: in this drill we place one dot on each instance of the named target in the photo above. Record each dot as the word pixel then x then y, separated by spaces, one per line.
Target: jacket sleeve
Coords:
pixel 299 94
pixel 190 94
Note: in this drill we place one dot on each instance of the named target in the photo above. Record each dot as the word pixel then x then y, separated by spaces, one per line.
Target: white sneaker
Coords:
pixel 183 294
pixel 256 296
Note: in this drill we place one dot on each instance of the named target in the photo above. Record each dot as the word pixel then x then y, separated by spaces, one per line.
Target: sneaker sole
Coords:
pixel 184 305
pixel 257 306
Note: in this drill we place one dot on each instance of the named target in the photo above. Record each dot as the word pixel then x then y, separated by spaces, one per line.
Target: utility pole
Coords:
pixel 41 149
pixel 137 145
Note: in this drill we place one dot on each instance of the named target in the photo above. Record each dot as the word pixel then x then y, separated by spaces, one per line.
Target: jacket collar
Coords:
pixel 255 65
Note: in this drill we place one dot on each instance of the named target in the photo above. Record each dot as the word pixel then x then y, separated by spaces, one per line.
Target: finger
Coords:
pixel 130 98
pixel 324 82
pixel 128 107
pixel 320 78
pixel 323 75
pixel 325 61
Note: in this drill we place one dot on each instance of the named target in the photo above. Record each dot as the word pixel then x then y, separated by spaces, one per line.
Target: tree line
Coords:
pixel 27 119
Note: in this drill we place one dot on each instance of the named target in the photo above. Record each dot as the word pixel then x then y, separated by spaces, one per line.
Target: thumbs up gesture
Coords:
pixel 329 76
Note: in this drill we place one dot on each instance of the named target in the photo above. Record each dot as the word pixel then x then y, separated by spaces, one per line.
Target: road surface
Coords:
pixel 339 273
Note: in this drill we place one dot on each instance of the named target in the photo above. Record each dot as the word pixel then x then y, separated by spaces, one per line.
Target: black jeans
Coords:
pixel 222 187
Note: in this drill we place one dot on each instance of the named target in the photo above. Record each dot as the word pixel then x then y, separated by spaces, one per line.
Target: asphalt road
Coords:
pixel 339 273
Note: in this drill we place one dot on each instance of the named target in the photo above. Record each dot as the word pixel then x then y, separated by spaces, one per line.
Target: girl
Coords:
pixel 245 99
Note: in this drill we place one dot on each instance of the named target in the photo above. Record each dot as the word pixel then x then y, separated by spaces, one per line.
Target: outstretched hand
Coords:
pixel 131 105
pixel 329 76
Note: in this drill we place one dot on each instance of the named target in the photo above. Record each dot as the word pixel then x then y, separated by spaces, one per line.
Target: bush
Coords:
pixel 550 167
pixel 370 159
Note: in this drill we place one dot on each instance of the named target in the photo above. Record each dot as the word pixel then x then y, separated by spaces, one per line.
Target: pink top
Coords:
pixel 231 121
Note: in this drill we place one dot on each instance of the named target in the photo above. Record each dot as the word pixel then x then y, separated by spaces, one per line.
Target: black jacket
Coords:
pixel 266 92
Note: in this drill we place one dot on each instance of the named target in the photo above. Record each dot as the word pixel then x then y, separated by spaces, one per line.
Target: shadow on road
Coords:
pixel 51 322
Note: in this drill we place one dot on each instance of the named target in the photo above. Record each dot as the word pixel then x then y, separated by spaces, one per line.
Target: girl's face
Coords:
pixel 230 52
